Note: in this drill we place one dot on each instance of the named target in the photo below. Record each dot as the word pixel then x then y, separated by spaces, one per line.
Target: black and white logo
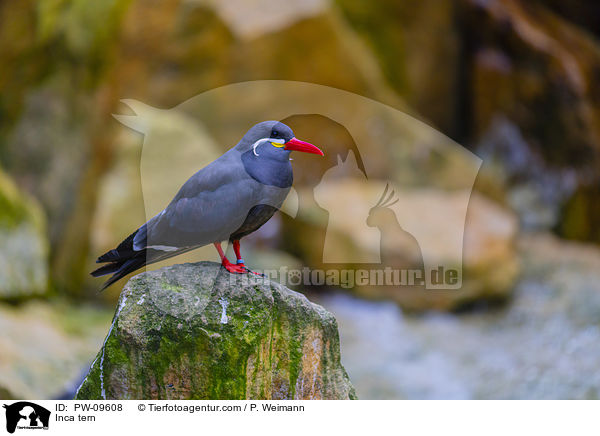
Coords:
pixel 26 415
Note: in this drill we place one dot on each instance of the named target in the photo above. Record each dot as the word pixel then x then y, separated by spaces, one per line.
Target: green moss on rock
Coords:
pixel 220 336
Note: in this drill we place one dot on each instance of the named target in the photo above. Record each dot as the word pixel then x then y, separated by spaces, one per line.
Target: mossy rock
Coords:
pixel 194 331
pixel 23 244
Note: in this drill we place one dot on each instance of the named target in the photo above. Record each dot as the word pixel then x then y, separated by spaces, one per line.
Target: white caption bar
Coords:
pixel 297 417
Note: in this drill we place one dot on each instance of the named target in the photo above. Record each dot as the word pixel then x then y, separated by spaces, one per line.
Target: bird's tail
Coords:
pixel 120 261
pixel 126 259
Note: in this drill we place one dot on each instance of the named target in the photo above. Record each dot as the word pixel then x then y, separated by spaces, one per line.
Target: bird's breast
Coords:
pixel 269 172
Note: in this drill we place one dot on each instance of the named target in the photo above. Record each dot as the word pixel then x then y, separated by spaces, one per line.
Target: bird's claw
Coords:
pixel 249 271
pixel 239 268
pixel 236 269
pixel 254 272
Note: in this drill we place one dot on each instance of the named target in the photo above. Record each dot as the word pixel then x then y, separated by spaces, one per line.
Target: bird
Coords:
pixel 228 199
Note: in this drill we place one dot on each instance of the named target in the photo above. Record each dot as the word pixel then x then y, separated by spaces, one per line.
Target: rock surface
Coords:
pixel 193 332
pixel 411 40
pixel 536 112
pixel 23 244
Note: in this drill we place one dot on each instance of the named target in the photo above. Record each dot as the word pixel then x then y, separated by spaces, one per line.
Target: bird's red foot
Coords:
pixel 238 268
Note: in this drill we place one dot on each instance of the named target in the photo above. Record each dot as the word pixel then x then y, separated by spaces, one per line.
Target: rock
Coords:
pixel 580 215
pixel 23 244
pixel 417 44
pixel 433 218
pixel 472 67
pixel 535 106
pixel 47 346
pixel 193 332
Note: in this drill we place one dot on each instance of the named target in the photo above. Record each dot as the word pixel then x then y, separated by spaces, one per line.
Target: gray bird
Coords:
pixel 226 200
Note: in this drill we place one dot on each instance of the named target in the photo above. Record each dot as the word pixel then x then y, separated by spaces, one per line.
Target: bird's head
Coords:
pixel 274 140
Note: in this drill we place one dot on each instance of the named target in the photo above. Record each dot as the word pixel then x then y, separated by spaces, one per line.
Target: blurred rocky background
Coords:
pixel 513 81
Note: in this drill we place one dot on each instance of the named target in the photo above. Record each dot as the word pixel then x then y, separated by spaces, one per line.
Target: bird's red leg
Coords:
pixel 237 269
pixel 238 255
pixel 236 249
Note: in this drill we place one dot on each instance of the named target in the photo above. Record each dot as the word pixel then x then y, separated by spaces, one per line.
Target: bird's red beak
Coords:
pixel 306 147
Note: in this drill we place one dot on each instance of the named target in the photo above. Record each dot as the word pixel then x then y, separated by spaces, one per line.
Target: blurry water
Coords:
pixel 536 348
pixel 384 356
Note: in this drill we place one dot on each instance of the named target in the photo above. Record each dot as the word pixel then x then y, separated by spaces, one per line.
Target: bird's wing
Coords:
pixel 208 207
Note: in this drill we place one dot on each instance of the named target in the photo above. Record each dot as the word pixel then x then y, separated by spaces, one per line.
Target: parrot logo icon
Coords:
pixel 383 221
pixel 26 415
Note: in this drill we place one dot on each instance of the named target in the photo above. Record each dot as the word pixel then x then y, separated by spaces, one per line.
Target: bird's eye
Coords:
pixel 275 134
